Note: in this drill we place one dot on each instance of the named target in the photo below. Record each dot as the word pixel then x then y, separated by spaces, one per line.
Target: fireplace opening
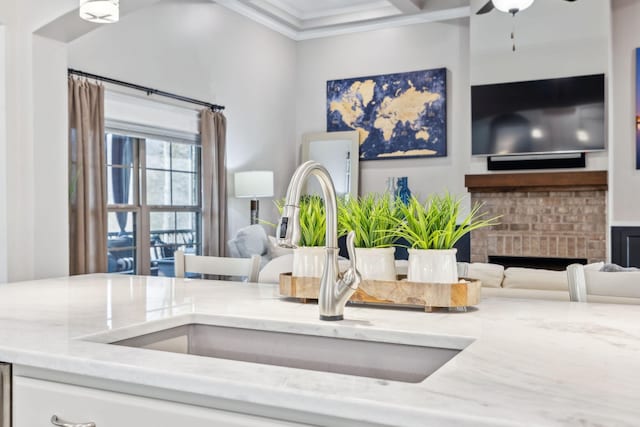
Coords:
pixel 558 264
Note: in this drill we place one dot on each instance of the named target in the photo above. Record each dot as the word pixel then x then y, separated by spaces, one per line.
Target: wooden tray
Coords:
pixel 399 292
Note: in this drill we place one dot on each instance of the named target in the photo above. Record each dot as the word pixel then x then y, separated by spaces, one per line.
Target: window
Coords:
pixel 154 201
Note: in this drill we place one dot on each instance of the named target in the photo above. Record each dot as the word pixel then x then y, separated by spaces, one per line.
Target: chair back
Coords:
pixel 584 281
pixel 576 282
pixel 220 266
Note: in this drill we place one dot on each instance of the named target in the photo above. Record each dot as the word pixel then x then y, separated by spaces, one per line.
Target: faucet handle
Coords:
pixel 352 275
pixel 351 248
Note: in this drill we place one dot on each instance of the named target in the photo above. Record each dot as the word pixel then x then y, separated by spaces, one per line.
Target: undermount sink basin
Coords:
pixel 374 359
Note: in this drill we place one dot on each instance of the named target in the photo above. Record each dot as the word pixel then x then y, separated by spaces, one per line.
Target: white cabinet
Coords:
pixel 35 401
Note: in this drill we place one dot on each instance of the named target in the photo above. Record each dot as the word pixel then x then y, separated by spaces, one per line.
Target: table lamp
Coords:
pixel 254 184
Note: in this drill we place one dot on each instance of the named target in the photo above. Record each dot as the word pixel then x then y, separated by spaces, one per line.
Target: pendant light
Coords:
pixel 100 11
pixel 512 6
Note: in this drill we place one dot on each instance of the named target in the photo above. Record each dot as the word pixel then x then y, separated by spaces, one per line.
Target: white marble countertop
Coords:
pixel 533 362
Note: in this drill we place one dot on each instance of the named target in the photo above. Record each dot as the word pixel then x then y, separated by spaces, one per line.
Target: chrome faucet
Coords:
pixel 335 288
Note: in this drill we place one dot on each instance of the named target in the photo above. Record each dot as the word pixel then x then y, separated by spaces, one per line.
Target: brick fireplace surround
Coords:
pixel 556 215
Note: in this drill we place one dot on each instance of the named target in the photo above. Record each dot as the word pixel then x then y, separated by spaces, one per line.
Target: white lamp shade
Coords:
pixel 509 5
pixel 100 11
pixel 254 184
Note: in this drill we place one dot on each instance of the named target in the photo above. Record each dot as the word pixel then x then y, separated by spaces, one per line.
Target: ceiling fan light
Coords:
pixel 509 6
pixel 100 11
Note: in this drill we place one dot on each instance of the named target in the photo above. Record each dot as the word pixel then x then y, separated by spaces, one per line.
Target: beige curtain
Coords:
pixel 213 137
pixel 87 179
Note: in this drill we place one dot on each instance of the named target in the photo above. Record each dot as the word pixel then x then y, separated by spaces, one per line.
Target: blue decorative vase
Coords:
pixel 402 189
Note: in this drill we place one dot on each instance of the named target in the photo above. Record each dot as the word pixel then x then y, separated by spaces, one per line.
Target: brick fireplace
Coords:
pixel 551 215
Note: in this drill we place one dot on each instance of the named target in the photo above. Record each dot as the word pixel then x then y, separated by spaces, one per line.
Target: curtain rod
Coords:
pixel 148 90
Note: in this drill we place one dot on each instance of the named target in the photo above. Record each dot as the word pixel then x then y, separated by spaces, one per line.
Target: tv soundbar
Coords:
pixel 536 161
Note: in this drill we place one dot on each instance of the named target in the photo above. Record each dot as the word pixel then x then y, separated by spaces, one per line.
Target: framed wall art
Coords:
pixel 638 108
pixel 398 115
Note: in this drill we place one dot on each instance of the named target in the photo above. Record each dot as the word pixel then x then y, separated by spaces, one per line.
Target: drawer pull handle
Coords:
pixel 61 423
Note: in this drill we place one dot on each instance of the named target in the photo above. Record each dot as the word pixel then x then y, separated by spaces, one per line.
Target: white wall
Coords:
pixel 624 178
pixel 50 159
pixel 35 233
pixel 204 51
pixel 3 160
pixel 408 48
pixel 19 170
pixel 553 39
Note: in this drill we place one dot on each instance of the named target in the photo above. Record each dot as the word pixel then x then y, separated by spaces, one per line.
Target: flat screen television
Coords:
pixel 564 115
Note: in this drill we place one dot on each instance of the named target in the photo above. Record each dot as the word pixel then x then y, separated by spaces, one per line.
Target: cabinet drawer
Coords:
pixel 35 401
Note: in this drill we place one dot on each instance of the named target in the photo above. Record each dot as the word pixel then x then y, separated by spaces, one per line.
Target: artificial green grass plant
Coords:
pixel 434 224
pixel 313 220
pixel 373 218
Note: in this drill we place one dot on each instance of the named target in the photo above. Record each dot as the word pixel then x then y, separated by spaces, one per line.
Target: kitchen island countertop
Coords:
pixel 531 362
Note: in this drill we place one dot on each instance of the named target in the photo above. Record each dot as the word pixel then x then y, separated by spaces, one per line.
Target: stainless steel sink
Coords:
pixel 375 359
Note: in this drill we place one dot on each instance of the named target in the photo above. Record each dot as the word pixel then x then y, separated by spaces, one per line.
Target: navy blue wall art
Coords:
pixel 397 115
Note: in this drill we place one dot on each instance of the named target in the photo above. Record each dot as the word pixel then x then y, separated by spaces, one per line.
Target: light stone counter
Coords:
pixel 533 362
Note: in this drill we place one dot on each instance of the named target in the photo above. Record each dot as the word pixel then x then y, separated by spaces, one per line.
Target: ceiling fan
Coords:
pixel 507 6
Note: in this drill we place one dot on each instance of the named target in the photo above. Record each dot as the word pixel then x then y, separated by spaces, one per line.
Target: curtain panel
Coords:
pixel 87 179
pixel 213 137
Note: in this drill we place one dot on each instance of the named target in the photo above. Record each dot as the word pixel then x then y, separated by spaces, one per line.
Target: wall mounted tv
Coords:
pixel 564 115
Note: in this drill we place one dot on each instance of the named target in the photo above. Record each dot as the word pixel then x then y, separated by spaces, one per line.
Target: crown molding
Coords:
pixel 291 26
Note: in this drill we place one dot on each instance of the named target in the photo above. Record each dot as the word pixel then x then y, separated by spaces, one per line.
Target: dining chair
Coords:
pixel 619 286
pixel 221 266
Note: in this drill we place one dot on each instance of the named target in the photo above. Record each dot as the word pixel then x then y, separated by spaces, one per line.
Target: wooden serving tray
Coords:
pixel 399 292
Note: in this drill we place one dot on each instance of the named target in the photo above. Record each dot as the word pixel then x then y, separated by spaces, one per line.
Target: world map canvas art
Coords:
pixel 397 115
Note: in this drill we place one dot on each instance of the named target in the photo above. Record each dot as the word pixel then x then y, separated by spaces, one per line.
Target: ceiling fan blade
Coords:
pixel 570 0
pixel 488 7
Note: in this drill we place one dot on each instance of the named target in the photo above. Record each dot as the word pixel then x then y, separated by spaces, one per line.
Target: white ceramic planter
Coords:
pixel 376 263
pixel 432 265
pixel 308 261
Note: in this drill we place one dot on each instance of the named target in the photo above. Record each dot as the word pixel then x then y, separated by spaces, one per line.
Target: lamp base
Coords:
pixel 255 208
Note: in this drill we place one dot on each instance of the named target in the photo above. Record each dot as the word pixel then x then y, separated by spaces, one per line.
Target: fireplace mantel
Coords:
pixel 543 181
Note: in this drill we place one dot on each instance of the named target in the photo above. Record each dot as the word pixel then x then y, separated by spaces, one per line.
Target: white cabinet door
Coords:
pixel 35 401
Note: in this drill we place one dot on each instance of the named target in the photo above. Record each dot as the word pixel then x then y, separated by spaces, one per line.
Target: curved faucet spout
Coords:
pixel 335 289
pixel 289 226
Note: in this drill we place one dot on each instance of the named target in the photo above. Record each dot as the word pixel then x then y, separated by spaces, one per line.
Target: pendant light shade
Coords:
pixel 100 11
pixel 512 6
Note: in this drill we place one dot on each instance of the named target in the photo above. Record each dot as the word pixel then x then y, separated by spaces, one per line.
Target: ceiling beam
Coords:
pixel 275 12
pixel 377 24
pixel 408 6
pixel 326 25
pixel 350 18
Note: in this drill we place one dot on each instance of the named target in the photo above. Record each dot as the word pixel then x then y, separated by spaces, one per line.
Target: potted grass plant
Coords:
pixel 308 258
pixel 373 219
pixel 431 229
